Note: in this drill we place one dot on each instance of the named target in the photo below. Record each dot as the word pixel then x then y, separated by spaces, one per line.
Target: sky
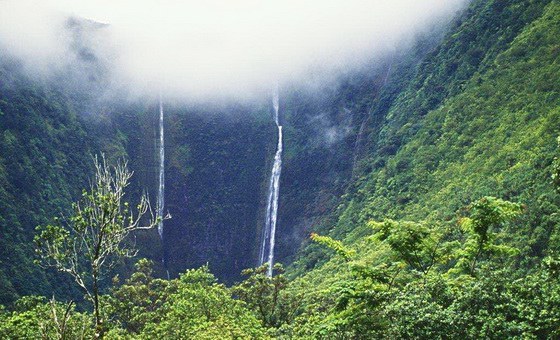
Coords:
pixel 211 47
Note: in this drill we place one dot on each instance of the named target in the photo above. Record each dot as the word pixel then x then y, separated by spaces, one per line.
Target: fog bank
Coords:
pixel 217 48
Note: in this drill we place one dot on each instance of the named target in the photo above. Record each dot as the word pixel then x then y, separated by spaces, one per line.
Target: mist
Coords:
pixel 215 48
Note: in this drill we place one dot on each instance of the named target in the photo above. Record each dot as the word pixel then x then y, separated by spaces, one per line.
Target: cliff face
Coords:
pixel 216 171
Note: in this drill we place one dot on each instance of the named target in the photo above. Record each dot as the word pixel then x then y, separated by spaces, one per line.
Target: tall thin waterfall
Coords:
pixel 161 189
pixel 272 199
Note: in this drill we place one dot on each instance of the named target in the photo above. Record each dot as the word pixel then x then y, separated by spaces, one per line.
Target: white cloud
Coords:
pixel 218 46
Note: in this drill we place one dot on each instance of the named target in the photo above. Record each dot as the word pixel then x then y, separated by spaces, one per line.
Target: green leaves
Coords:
pixel 337 246
pixel 403 279
pixel 556 167
pixel 486 215
pixel 91 240
pixel 52 244
pixel 266 295
pixel 418 245
pixel 196 307
pixel 490 212
pixel 36 319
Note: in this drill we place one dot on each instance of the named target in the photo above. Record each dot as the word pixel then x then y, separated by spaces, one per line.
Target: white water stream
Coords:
pixel 161 188
pixel 269 235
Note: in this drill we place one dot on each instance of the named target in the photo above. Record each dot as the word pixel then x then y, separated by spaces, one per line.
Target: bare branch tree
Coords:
pixel 92 239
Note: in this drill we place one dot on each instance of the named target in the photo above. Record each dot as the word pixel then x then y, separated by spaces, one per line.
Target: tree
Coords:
pixel 35 318
pixel 139 300
pixel 420 246
pixel 267 296
pixel 337 246
pixel 90 241
pixel 486 215
pixel 198 307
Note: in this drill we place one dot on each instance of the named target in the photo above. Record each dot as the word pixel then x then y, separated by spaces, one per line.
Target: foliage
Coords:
pixel 193 306
pixel 487 213
pixel 43 164
pixel 93 238
pixel 335 245
pixel 34 318
pixel 273 305
pixel 381 301
pixel 419 246
pixel 199 308
pixel 478 119
pixel 556 168
pixel 137 302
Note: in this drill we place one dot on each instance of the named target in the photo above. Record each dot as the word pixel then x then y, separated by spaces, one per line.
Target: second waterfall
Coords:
pixel 161 188
pixel 269 234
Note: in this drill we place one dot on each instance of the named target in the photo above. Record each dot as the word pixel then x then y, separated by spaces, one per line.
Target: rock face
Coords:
pixel 216 172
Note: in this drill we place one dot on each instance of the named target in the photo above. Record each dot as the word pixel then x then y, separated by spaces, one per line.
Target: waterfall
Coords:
pixel 161 189
pixel 269 233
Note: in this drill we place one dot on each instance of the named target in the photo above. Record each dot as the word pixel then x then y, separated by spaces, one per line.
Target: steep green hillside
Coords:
pixel 50 129
pixel 326 132
pixel 446 139
pixel 453 136
pixel 496 137
pixel 44 154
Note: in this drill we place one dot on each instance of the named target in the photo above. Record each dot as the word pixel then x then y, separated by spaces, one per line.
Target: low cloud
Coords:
pixel 218 48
